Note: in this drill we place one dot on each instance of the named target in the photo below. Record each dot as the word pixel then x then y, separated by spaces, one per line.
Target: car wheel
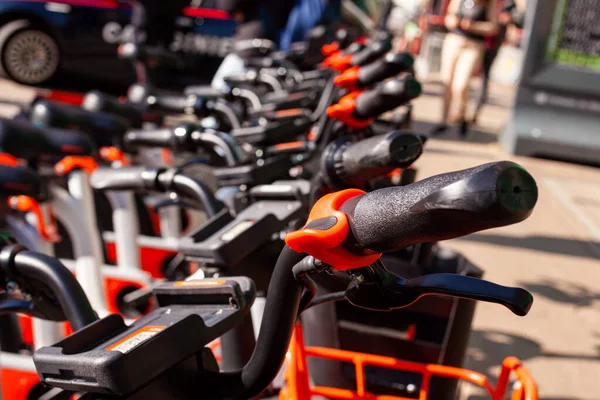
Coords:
pixel 28 54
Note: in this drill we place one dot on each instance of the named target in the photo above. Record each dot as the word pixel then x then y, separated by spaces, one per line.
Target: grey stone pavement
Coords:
pixel 555 254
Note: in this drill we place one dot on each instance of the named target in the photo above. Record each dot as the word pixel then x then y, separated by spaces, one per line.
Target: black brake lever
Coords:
pixel 32 308
pixel 386 291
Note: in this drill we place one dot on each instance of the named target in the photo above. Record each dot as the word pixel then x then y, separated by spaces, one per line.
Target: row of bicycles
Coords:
pixel 179 245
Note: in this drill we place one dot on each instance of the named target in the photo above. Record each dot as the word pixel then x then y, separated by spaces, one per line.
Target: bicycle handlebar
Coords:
pixel 386 97
pixel 386 67
pixel 162 180
pixel 102 127
pixel 370 53
pixel 96 101
pixel 441 207
pixel 346 164
pixel 28 268
pixel 190 137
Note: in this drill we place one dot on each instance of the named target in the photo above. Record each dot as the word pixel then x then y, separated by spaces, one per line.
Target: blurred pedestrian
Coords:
pixel 469 23
pixel 510 15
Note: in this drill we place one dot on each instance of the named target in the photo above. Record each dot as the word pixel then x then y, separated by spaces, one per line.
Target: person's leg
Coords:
pixel 468 62
pixel 232 65
pixel 450 52
pixel 482 94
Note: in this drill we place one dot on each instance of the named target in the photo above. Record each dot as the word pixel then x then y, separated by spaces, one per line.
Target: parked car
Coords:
pixel 40 40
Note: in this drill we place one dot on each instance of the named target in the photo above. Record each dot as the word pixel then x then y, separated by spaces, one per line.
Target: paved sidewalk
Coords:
pixel 555 254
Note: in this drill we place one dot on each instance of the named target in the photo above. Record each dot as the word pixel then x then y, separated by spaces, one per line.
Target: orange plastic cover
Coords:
pixel 344 111
pixel 348 78
pixel 329 49
pixel 325 243
pixel 113 154
pixel 338 61
pixel 8 160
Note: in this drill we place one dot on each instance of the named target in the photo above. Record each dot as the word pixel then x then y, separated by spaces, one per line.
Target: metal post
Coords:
pixel 170 222
pixel 126 229
pixel 75 209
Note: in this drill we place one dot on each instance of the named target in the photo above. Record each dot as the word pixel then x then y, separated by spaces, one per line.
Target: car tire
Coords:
pixel 28 54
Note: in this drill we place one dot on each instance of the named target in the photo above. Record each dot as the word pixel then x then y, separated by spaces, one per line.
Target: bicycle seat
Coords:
pixel 104 129
pixel 17 180
pixel 97 101
pixel 25 140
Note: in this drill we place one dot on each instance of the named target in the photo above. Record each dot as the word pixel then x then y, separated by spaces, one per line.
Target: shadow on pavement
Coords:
pixel 487 349
pixel 569 247
pixel 562 292
pixel 474 136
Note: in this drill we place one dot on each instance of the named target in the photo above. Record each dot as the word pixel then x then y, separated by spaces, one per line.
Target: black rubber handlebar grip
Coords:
pixel 125 178
pixel 349 164
pixel 441 207
pixel 370 53
pixel 386 67
pixel 386 97
pixel 96 101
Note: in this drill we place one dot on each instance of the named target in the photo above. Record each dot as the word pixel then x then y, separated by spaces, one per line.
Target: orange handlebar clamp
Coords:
pixel 329 49
pixel 348 78
pixel 325 231
pixel 344 111
pixel 8 160
pixel 113 154
pixel 70 163
pixel 338 61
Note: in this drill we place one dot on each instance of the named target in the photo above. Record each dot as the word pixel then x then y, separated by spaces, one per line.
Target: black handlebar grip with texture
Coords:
pixel 386 97
pixel 441 207
pixel 96 101
pixel 370 53
pixel 386 67
pixel 103 128
pixel 125 178
pixel 23 139
pixel 346 164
